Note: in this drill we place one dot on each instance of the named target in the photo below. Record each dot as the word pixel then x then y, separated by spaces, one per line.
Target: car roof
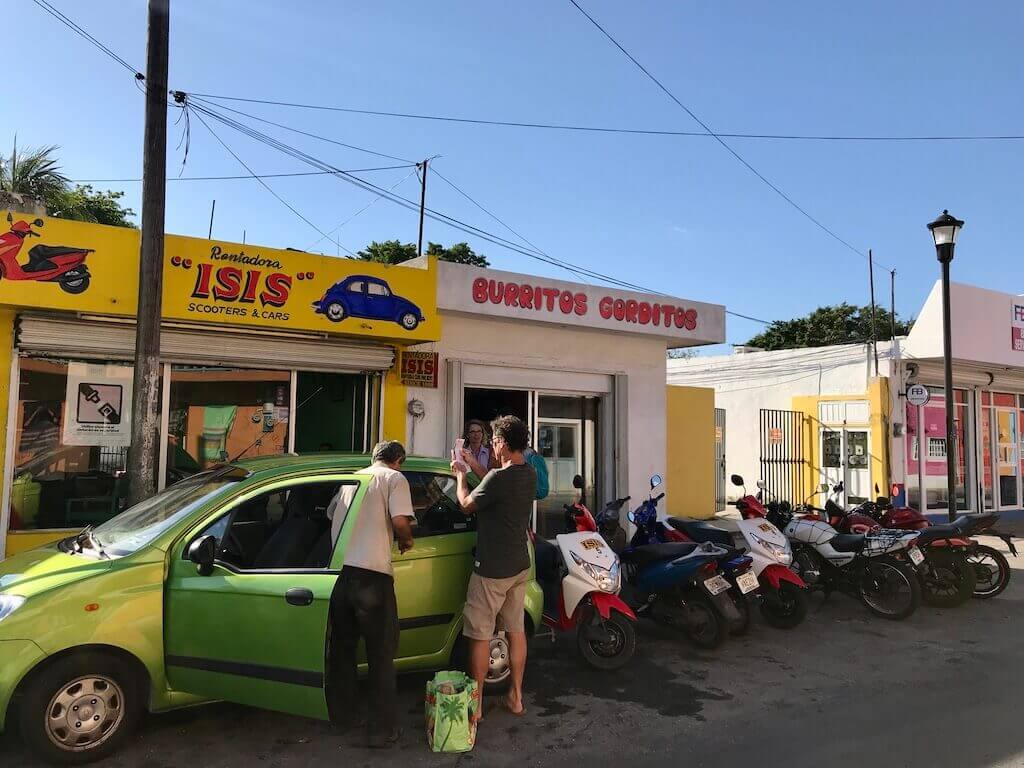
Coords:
pixel 343 462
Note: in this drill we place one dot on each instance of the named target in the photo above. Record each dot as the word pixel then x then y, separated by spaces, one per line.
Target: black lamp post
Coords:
pixel 944 231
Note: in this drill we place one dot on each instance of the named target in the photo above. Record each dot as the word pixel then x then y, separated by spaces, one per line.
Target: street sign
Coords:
pixel 917 394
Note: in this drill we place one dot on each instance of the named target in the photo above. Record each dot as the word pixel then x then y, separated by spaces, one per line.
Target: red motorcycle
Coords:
pixel 46 263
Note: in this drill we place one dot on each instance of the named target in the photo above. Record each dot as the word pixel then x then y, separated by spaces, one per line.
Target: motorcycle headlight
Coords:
pixel 9 604
pixel 777 551
pixel 607 579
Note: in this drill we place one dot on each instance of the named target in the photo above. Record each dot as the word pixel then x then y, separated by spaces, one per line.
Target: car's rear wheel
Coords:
pixel 336 312
pixel 81 708
pixel 409 320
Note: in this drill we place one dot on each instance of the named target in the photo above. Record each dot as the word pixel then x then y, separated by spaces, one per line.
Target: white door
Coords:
pixel 831 460
pixel 858 466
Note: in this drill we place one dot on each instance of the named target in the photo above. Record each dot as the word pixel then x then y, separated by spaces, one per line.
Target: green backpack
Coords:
pixel 451 703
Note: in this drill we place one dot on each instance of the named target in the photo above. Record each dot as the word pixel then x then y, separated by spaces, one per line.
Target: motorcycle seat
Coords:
pixel 700 530
pixel 39 257
pixel 653 553
pixel 848 542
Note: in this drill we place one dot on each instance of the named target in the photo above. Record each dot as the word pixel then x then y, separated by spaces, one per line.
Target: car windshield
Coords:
pixel 137 526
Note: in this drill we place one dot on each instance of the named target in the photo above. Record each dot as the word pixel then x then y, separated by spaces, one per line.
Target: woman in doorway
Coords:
pixel 477 450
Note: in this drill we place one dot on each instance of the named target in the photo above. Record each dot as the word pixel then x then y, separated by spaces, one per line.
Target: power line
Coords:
pixel 608 129
pixel 365 207
pixel 714 135
pixel 535 253
pixel 86 36
pixel 256 176
pixel 267 186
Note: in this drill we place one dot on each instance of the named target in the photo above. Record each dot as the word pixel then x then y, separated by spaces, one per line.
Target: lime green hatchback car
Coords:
pixel 218 588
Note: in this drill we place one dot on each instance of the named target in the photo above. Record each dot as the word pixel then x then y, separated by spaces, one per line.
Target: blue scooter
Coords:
pixel 677 584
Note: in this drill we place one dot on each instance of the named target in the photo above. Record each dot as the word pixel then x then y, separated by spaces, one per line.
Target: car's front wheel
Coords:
pixel 336 312
pixel 81 708
pixel 499 670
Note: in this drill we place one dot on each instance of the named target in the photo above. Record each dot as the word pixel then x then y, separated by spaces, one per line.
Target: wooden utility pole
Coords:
pixel 213 207
pixel 145 449
pixel 874 333
pixel 423 203
pixel 892 303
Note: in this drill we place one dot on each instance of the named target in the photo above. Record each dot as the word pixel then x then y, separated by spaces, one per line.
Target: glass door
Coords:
pixel 858 466
pixel 831 460
pixel 1006 451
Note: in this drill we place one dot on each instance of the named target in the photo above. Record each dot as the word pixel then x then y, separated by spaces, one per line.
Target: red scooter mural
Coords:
pixel 46 263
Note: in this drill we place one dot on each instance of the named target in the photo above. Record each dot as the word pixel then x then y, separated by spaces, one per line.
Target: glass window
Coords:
pixel 912 443
pixel 357 287
pixel 927 451
pixel 376 289
pixel 287 528
pixel 69 462
pixel 436 505
pixel 936 447
pixel 988 490
pixel 223 414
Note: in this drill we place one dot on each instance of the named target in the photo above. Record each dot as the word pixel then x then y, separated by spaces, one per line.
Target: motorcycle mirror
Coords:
pixel 10 218
pixel 823 487
pixel 38 223
pixel 876 489
pixel 630 517
pixel 577 481
pixel 761 484
pixel 655 481
pixel 737 480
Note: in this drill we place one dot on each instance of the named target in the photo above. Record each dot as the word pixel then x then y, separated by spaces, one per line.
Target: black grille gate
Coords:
pixel 782 454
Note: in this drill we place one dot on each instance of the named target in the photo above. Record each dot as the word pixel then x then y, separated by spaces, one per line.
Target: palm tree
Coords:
pixel 33 172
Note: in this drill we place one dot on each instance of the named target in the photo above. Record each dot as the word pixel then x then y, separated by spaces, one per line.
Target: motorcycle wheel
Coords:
pixel 785 607
pixel 992 572
pixel 889 588
pixel 703 626
pixel 742 604
pixel 75 286
pixel 947 579
pixel 613 650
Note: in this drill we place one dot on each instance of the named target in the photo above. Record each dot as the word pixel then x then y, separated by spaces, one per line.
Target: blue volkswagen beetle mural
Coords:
pixel 367 297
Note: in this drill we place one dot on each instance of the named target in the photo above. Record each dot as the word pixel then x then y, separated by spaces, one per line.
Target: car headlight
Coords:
pixel 777 551
pixel 607 579
pixel 9 604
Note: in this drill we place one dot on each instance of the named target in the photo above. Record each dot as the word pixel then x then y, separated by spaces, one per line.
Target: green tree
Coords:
pixel 395 252
pixel 36 173
pixel 840 324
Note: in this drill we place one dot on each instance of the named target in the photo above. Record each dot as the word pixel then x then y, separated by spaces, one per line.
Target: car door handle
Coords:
pixel 299 596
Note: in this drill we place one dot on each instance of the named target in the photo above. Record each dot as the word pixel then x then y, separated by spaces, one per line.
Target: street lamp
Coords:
pixel 944 232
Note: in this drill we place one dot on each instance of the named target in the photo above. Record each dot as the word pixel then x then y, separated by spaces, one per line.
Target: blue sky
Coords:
pixel 676 214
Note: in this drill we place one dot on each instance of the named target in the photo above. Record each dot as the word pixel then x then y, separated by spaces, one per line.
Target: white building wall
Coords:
pixel 744 383
pixel 548 352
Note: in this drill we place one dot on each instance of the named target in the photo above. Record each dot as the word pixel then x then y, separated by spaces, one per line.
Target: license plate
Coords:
pixel 916 555
pixel 716 585
pixel 747 582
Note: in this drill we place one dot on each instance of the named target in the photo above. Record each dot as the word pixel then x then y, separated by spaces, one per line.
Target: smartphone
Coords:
pixel 460 444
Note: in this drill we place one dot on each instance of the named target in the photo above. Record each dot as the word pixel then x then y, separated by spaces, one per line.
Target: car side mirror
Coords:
pixel 577 482
pixel 736 480
pixel 202 552
pixel 655 481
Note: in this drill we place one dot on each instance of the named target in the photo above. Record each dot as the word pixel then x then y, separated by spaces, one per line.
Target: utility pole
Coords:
pixel 144 452
pixel 213 207
pixel 892 303
pixel 423 203
pixel 871 280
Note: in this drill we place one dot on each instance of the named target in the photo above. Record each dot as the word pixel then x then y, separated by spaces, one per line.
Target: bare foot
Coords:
pixel 514 704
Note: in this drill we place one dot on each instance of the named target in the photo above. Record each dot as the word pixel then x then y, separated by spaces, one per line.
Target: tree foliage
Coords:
pixel 36 173
pixel 840 324
pixel 395 252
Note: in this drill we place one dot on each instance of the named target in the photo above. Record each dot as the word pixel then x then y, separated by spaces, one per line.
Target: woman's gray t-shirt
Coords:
pixel 504 503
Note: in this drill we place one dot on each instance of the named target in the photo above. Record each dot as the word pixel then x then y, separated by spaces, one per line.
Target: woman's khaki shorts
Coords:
pixel 494 600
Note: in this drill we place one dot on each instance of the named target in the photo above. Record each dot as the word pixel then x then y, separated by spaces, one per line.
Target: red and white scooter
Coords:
pixel 783 594
pixel 581 578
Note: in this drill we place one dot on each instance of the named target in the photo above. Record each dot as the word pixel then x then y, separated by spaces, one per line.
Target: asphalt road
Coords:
pixel 844 689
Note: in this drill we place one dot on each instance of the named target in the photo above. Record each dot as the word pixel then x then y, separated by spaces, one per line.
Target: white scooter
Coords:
pixel 581 579
pixel 877 568
pixel 783 594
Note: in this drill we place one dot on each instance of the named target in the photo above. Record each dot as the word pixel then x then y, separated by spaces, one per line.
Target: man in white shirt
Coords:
pixel 363 602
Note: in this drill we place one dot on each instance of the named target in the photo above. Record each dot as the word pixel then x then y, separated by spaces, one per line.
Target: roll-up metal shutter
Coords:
pixel 99 339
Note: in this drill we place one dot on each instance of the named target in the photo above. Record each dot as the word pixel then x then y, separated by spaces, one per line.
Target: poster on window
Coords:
pixel 98 405
pixel 1017 328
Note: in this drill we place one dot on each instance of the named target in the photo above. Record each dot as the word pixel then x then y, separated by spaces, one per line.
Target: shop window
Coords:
pixel 436 506
pixel 223 414
pixel 72 430
pixel 927 461
pixel 936 448
pixel 286 528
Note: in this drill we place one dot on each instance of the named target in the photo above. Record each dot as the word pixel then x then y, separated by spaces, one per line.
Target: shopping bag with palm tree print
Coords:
pixel 451 704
